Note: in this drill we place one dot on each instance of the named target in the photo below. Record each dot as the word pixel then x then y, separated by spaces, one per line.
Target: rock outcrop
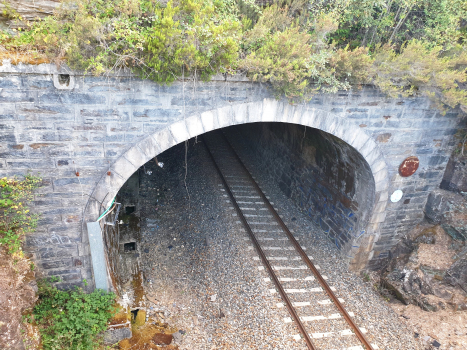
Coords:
pixel 429 267
pixel 428 270
pixel 27 10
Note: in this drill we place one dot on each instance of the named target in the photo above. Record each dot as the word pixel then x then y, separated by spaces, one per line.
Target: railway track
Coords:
pixel 294 276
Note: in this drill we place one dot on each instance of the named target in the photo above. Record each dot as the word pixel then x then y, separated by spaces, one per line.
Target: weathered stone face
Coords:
pixel 88 136
pixel 455 177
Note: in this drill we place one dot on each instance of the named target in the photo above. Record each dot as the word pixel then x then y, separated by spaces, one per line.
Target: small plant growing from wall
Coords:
pixel 16 219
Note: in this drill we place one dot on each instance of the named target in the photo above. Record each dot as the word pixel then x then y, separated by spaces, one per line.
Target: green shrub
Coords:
pixel 188 39
pixel 72 320
pixel 16 220
pixel 420 69
pixel 405 47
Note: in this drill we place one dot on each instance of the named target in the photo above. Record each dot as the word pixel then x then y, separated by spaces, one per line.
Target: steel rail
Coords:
pixel 260 251
pixel 304 256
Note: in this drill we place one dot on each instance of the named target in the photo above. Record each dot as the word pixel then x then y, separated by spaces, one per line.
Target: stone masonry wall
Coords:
pixel 74 130
pixel 326 178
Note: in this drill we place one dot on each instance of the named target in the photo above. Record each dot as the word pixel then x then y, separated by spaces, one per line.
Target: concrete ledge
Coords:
pixel 99 265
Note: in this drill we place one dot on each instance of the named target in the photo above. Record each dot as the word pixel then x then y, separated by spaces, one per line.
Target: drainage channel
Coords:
pixel 263 224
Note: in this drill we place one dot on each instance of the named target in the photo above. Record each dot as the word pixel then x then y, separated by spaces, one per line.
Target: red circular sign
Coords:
pixel 409 166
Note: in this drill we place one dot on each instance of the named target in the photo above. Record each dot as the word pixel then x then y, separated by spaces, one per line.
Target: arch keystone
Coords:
pixel 269 110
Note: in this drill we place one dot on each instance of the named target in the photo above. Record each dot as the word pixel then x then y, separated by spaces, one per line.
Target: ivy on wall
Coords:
pixel 405 47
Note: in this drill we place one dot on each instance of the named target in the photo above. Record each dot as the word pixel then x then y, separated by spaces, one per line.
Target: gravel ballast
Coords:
pixel 203 279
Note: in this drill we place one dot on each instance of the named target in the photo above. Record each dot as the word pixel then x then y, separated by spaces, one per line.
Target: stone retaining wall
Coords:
pixel 87 135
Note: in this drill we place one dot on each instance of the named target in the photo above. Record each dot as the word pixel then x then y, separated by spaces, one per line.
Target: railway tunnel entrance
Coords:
pixel 325 180
pixel 179 244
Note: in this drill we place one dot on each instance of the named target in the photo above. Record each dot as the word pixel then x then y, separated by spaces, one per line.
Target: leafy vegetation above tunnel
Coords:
pixel 405 47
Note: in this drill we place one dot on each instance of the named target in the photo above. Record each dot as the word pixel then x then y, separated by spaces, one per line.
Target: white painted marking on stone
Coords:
pixel 296 304
pixel 346 332
pixel 279 268
pixel 263 223
pixel 329 301
pixel 314 318
pixel 288 279
pixel 274 248
pixel 311 290
pixel 301 303
pixel 333 289
pixel 296 337
pixel 322 335
pixel 261 268
pixel 277 248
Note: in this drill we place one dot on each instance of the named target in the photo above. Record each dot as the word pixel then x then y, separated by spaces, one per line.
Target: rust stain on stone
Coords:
pixel 362 125
pixel 387 117
pixel 409 166
pixel 17 146
pixel 374 103
pixel 39 145
pixel 88 127
pixel 384 137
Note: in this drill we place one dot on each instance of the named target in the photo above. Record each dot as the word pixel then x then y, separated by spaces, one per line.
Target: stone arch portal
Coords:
pixel 267 110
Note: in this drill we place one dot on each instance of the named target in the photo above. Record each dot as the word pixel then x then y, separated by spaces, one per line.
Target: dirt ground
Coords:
pixel 17 295
pixel 448 328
